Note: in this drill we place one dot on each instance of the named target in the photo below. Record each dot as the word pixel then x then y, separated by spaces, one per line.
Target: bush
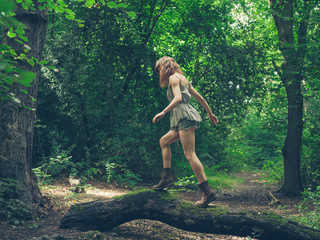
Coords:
pixel 118 172
pixel 54 167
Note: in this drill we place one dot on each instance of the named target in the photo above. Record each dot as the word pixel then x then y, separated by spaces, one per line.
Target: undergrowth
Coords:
pixel 222 179
pixel 218 180
pixel 309 208
pixel 12 210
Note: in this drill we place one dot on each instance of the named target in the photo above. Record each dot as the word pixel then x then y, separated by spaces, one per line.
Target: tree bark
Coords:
pixel 293 53
pixel 292 146
pixel 160 205
pixel 17 122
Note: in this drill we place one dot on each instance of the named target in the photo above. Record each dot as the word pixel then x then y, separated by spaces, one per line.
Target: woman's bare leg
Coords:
pixel 187 138
pixel 165 142
pixel 166 176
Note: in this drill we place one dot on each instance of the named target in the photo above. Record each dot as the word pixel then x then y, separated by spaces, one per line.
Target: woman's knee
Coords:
pixel 163 143
pixel 190 156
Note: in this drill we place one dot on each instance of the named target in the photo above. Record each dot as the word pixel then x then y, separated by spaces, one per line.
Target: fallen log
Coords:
pixel 162 206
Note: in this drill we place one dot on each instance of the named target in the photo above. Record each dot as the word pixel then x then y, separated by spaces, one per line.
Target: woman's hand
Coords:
pixel 158 117
pixel 213 119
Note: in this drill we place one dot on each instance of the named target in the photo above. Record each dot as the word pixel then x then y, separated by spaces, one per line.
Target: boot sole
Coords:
pixel 212 198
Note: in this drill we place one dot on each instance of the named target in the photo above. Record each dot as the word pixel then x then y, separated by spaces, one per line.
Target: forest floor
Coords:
pixel 252 194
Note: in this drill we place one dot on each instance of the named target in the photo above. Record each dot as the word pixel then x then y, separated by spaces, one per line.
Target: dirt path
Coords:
pixel 252 194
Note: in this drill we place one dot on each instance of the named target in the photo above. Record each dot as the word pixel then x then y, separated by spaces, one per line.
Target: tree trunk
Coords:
pixel 161 206
pixel 17 122
pixel 292 146
pixel 293 53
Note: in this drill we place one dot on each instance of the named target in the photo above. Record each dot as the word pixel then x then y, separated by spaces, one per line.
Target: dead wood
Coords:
pixel 162 206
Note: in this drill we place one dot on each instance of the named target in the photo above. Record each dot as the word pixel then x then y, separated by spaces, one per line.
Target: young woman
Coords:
pixel 184 119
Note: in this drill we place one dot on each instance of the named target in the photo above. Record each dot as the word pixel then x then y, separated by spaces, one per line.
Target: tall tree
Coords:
pixel 17 118
pixel 292 34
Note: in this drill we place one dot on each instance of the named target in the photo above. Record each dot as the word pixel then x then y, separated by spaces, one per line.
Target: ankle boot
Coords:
pixel 208 195
pixel 166 180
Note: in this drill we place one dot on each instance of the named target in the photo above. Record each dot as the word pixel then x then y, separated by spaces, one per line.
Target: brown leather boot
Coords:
pixel 208 195
pixel 166 180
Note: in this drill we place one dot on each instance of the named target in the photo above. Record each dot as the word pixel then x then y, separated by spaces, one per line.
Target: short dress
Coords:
pixel 183 116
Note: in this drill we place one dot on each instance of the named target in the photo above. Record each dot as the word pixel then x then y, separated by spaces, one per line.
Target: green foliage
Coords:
pixel 310 159
pixel 118 172
pixel 257 142
pixel 60 165
pixel 309 208
pixel 187 181
pixel 222 179
pixel 273 170
pixel 9 73
pixel 185 184
pixel 82 108
pixel 13 210
pixel 101 105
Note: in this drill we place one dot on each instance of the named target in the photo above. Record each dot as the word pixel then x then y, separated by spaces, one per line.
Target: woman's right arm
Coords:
pixel 203 103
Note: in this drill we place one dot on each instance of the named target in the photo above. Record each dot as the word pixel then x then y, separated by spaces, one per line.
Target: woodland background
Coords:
pixel 98 90
pixel 97 106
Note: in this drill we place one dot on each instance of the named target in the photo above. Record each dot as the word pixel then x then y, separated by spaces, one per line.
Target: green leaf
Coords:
pixel 20 31
pixel 11 34
pixel 62 3
pixel 122 5
pixel 132 14
pixel 89 3
pixel 25 6
pixel 24 91
pixel 24 38
pixel 32 109
pixel 43 62
pixel 69 11
pixel 71 17
pixel 6 5
pixel 19 41
pixel 112 5
pixel 26 78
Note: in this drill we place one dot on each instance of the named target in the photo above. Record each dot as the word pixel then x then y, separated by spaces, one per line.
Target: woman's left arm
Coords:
pixel 174 82
pixel 204 104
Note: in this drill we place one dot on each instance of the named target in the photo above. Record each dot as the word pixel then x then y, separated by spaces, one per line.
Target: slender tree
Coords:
pixel 292 44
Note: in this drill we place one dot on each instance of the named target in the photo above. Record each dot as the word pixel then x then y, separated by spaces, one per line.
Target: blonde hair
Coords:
pixel 166 66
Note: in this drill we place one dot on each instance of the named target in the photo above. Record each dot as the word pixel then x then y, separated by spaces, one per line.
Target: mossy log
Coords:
pixel 162 206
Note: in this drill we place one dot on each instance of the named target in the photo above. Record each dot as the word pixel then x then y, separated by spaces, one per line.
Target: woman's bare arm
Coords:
pixel 174 82
pixel 203 103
